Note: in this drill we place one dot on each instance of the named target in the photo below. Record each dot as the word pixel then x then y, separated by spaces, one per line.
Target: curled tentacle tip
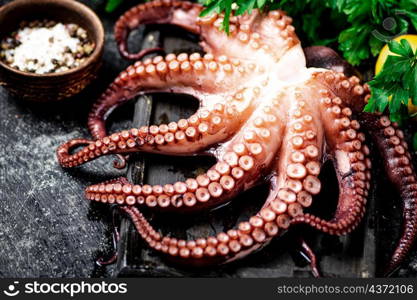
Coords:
pixel 63 150
pixel 121 161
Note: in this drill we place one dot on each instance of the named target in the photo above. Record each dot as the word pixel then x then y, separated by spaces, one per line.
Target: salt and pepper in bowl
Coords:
pixel 52 57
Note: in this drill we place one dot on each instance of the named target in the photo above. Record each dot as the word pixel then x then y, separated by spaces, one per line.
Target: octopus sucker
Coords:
pixel 222 248
pixel 233 171
pixel 265 117
pixel 210 81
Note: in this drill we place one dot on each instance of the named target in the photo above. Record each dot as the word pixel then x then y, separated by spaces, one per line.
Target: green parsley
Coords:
pixel 112 5
pixel 396 83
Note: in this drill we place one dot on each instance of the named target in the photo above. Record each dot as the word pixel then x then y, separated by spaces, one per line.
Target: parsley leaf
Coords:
pixel 396 84
pixel 112 5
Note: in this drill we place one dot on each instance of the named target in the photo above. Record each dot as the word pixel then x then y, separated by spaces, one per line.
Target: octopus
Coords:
pixel 264 116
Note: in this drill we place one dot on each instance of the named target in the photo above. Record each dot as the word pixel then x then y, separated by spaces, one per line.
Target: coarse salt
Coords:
pixel 41 46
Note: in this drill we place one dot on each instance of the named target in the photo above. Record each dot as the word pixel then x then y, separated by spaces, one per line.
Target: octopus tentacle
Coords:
pixel 390 142
pixel 187 136
pixel 300 159
pixel 311 257
pixel 64 149
pixel 211 189
pixel 102 261
pixel 352 93
pixel 352 166
pixel 287 197
pixel 297 181
pixel 394 150
pixel 188 74
pixel 239 166
pixel 180 13
pixel 222 248
pixel 298 165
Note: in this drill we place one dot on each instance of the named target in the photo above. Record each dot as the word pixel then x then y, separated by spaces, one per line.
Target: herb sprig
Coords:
pixel 396 84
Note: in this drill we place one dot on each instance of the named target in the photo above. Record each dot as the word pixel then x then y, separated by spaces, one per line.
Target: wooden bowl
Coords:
pixel 51 86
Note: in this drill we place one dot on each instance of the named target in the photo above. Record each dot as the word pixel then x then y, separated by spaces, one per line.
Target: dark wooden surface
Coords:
pixel 47 228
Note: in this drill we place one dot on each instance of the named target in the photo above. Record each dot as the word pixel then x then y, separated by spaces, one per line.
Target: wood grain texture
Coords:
pixel 47 227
